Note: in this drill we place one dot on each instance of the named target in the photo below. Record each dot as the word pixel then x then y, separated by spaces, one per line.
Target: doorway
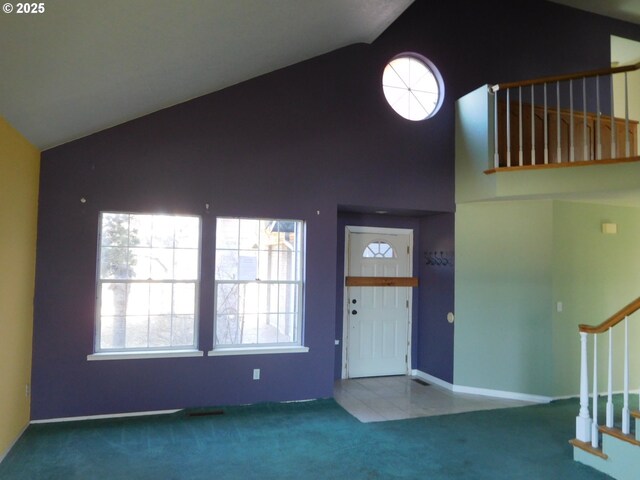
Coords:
pixel 377 319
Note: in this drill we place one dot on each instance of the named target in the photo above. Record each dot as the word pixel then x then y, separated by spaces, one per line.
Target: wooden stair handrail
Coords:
pixel 569 76
pixel 613 320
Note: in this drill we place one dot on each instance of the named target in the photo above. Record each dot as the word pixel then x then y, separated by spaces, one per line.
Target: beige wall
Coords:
pixel 19 176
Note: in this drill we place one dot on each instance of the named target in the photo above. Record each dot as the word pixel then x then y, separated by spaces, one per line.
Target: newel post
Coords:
pixel 583 421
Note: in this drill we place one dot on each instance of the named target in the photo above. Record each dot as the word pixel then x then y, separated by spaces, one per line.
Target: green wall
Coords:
pixel 503 296
pixel 514 261
pixel 594 275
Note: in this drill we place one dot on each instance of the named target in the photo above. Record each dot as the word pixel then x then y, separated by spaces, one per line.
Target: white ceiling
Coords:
pixel 628 10
pixel 85 65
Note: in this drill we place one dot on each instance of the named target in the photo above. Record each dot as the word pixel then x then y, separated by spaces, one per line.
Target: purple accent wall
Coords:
pixel 436 296
pixel 314 136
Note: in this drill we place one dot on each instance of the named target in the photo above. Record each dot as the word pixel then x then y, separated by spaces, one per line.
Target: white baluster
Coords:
pixel 533 128
pixel 585 145
pixel 545 129
pixel 594 424
pixel 583 421
pixel 626 117
pixel 610 382
pixel 614 148
pixel 508 128
pixel 520 154
pixel 558 144
pixel 572 150
pixel 598 131
pixel 626 418
pixel 496 156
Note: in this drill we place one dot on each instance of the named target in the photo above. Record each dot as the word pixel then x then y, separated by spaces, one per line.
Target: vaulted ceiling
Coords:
pixel 85 65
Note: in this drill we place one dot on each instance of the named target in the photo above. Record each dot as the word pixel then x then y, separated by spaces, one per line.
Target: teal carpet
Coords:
pixel 308 440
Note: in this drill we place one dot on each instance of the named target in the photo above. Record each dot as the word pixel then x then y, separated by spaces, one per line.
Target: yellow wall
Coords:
pixel 19 176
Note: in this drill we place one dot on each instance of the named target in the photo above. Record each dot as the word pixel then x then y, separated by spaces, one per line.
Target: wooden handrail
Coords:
pixel 612 320
pixel 569 76
pixel 381 281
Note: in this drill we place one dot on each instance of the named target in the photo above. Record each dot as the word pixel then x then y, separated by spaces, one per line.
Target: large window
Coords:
pixel 258 282
pixel 148 277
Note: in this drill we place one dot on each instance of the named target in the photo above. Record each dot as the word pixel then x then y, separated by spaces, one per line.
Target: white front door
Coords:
pixel 377 318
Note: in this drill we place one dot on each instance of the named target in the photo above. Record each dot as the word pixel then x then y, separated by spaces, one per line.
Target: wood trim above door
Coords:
pixel 381 281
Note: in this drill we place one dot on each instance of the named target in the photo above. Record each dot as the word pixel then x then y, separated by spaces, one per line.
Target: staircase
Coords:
pixel 614 450
pixel 619 455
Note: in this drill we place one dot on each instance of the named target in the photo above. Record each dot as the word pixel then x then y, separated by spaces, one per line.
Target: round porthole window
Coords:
pixel 413 86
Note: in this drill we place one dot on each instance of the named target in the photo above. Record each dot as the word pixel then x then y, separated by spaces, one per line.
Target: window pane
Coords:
pixel 147 315
pixel 184 298
pixel 160 331
pixel 227 299
pixel 182 332
pixel 140 263
pixel 185 264
pixel 107 332
pixel 249 234
pixel 187 232
pixel 161 260
pixel 141 230
pixel 226 265
pixel 115 263
pixel 114 299
pixel 248 325
pixel 227 232
pixel 259 309
pixel 247 265
pixel 137 331
pixel 114 229
pixel 137 299
pixel 378 250
pixel 163 229
pixel 228 330
pixel 160 298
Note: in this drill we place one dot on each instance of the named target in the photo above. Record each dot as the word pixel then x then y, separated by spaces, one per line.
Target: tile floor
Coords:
pixel 379 399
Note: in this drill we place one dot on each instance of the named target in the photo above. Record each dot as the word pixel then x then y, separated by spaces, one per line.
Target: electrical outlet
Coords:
pixel 256 374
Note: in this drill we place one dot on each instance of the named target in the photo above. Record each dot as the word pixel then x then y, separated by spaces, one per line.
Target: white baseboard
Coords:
pixel 4 454
pixel 431 379
pixel 601 394
pixel 481 391
pixel 527 397
pixel 100 417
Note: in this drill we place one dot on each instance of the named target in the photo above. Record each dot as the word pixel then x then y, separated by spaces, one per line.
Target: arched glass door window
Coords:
pixel 378 249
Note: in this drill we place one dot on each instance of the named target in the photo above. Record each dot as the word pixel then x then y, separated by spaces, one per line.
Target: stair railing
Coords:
pixel 587 427
pixel 560 121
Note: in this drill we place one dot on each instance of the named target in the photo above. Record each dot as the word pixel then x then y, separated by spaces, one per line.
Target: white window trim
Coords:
pixel 254 350
pixel 149 352
pixel 139 354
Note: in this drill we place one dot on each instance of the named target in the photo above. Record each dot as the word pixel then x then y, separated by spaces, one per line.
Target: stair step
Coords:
pixel 587 447
pixel 616 432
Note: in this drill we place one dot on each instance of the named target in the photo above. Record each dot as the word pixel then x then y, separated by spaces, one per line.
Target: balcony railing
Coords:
pixel 563 120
